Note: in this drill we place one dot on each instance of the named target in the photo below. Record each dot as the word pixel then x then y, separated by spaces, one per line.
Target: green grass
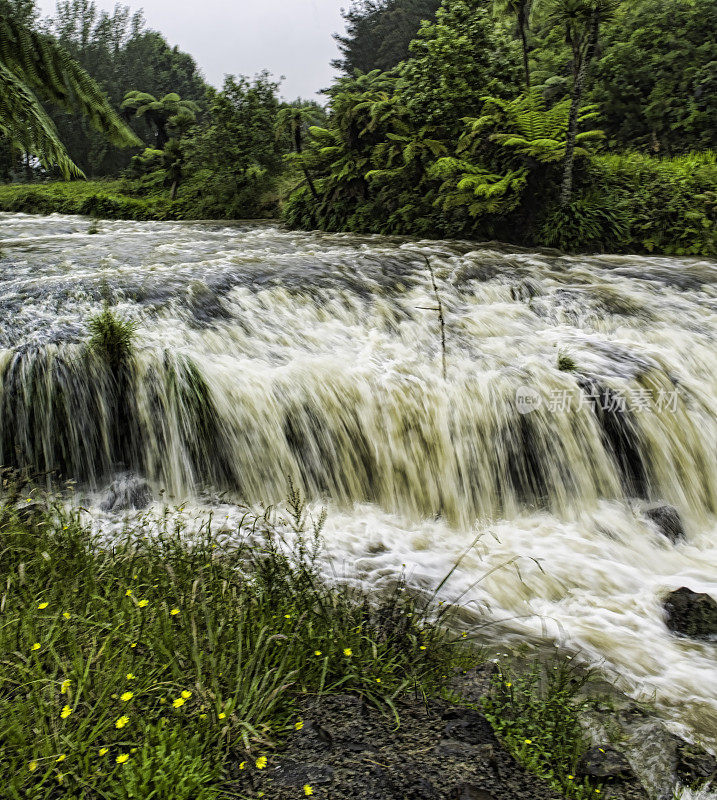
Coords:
pixel 142 669
pixel 111 337
pixel 566 363
pixel 133 199
pixel 105 199
pixel 536 716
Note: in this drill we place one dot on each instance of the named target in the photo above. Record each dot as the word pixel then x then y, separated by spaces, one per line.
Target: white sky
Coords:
pixel 290 38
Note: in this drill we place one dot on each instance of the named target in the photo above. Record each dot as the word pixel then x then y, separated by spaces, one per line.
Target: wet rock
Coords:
pixel 467 726
pixel 526 290
pixel 691 613
pixel 668 522
pixel 619 432
pixel 694 764
pixel 126 492
pixel 604 763
pixel 466 791
pixel 297 774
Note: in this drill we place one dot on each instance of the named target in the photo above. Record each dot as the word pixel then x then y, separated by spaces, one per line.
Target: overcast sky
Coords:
pixel 288 37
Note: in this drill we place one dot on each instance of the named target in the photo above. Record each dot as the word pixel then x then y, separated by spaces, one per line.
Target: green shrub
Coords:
pixel 672 202
pixel 593 222
pixel 111 337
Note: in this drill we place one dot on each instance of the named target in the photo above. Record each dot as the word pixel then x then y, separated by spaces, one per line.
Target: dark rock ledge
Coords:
pixel 347 750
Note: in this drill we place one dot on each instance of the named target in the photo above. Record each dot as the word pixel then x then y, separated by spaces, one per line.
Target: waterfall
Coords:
pixel 579 391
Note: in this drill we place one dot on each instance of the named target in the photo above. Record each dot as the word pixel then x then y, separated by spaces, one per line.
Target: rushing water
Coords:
pixel 263 354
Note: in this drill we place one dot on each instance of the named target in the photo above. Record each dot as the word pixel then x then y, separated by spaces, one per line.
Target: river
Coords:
pixel 578 392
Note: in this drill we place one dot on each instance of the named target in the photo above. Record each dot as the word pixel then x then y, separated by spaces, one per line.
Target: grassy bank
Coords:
pixel 104 199
pixel 127 199
pixel 154 666
pixel 145 667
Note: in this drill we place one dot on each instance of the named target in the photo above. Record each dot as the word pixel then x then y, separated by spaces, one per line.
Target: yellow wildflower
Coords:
pixel 174 612
pixel 134 644
pixel 242 765
pixel 509 685
pixel 222 715
pixel 422 647
pixel 121 722
pixel 378 680
pixel 61 757
pixel 179 702
pixel 186 694
pixel 308 790
pixel 143 603
pixel 32 766
pixel 122 758
pixel 42 606
pixel 202 716
pixel 103 751
pixel 126 696
pixel 317 652
pixel 348 651
pixel 130 676
pixel 299 725
pixel 65 713
pixel 128 593
pixel 36 646
pixel 570 777
pixel 261 762
pixel 529 741
pixel 66 614
pixel 64 686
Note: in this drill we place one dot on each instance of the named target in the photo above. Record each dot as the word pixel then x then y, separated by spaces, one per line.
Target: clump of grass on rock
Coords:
pixel 112 337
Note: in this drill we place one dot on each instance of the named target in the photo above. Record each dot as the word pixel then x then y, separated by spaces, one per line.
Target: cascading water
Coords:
pixel 579 391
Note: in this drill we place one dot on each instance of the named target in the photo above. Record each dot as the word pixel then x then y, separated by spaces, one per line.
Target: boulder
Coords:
pixel 604 763
pixel 126 492
pixel 668 521
pixel 691 613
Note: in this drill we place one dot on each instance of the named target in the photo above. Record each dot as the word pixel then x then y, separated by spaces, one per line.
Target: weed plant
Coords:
pixel 536 716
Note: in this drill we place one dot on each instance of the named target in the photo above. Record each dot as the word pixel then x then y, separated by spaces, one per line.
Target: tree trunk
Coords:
pixel 524 40
pixel 162 136
pixel 312 188
pixel 566 184
pixel 173 190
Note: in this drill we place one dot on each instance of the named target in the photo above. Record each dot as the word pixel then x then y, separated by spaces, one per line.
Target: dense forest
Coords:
pixel 580 124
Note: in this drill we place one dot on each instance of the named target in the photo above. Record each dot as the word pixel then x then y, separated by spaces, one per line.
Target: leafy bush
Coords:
pixel 592 222
pixel 672 202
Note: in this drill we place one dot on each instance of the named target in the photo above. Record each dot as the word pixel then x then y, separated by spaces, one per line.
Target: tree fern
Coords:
pixel 527 126
pixel 34 67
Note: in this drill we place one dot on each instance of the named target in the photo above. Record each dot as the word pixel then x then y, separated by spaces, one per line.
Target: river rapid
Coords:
pixel 578 392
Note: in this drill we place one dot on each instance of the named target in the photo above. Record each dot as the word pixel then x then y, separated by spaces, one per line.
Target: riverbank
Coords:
pixel 125 199
pixel 638 204
pixel 220 664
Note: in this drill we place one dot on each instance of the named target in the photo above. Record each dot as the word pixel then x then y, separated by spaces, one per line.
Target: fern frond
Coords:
pixel 48 71
pixel 26 123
